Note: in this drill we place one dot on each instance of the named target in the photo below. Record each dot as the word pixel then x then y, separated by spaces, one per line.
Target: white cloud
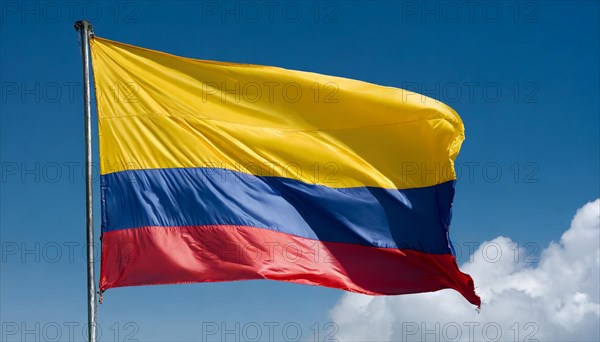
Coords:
pixel 552 300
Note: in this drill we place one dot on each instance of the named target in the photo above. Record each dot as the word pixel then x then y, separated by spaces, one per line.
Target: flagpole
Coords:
pixel 85 29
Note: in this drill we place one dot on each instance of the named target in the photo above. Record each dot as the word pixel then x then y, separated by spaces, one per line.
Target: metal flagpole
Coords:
pixel 85 29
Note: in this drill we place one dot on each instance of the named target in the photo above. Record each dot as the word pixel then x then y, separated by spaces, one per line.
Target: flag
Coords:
pixel 214 171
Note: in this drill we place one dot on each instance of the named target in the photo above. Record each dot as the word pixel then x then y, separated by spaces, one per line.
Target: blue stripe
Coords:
pixel 416 219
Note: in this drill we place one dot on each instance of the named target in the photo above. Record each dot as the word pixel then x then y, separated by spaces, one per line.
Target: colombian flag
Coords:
pixel 215 171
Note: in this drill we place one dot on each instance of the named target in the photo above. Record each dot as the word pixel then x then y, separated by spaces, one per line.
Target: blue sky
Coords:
pixel 523 76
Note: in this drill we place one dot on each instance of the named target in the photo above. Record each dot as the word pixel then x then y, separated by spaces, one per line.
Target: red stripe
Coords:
pixel 173 255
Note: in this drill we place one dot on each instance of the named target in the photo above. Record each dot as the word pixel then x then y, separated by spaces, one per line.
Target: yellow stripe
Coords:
pixel 157 110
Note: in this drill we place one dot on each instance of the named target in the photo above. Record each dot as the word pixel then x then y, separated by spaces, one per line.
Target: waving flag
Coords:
pixel 216 171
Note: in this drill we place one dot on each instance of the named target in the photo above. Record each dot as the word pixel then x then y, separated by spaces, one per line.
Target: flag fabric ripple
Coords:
pixel 215 171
